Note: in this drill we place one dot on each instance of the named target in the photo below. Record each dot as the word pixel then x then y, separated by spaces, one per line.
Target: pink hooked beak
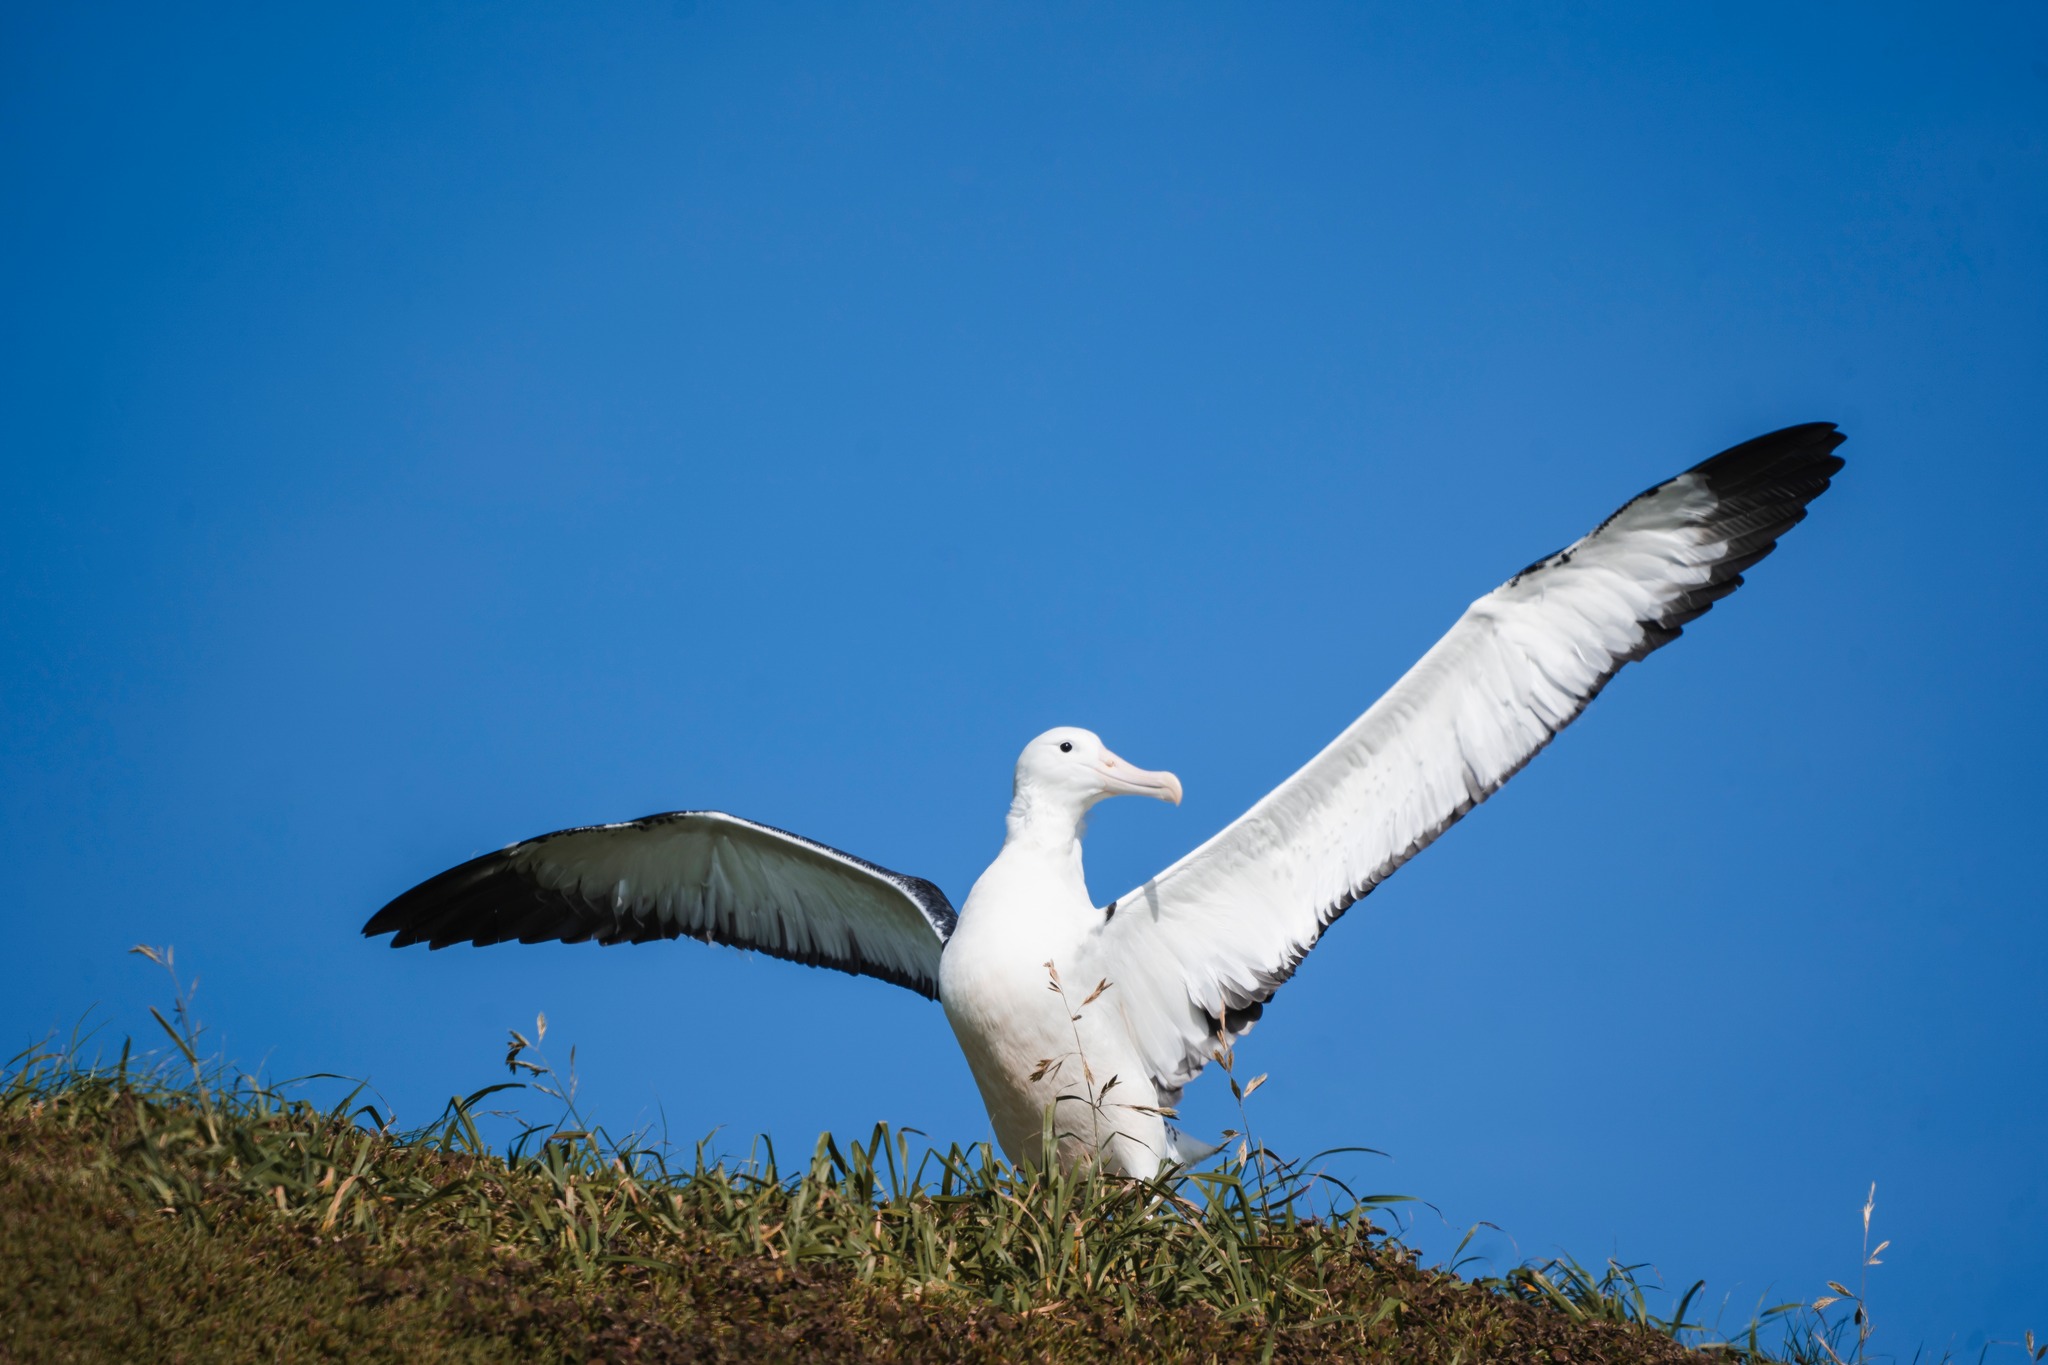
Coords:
pixel 1126 779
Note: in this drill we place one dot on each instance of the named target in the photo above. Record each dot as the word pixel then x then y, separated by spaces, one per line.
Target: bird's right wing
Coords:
pixel 1197 951
pixel 695 873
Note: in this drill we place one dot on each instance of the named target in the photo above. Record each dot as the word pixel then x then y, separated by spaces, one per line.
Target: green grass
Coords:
pixel 175 1212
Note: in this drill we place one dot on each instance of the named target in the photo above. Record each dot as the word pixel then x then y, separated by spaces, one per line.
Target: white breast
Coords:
pixel 1014 1016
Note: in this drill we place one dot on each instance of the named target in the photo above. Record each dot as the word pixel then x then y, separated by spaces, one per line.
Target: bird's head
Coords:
pixel 1072 768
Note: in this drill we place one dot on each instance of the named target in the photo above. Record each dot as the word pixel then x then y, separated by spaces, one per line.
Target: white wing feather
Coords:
pixel 697 874
pixel 1196 951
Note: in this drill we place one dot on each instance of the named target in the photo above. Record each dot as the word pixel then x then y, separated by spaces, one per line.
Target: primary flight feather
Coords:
pixel 1191 957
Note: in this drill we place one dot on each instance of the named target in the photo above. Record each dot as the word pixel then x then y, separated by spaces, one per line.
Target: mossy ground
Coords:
pixel 168 1209
pixel 146 1222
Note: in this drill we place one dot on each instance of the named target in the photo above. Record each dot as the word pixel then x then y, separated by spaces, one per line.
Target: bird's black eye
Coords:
pixel 1066 746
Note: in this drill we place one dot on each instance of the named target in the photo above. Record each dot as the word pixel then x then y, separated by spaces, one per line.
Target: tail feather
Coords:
pixel 1183 1150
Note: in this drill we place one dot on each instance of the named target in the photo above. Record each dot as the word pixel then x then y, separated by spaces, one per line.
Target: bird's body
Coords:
pixel 1084 1022
pixel 1036 1042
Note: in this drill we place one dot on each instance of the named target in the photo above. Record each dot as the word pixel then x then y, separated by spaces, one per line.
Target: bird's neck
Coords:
pixel 1047 825
pixel 1033 899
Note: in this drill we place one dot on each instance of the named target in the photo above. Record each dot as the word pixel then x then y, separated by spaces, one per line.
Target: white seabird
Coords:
pixel 1086 1021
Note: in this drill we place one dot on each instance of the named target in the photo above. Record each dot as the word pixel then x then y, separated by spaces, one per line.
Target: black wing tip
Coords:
pixel 466 903
pixel 396 919
pixel 1763 486
pixel 1771 477
pixel 1804 450
pixel 1761 490
pixel 485 901
pixel 393 920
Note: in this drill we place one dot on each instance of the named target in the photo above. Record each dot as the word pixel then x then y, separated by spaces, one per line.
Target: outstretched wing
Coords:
pixel 696 873
pixel 1202 946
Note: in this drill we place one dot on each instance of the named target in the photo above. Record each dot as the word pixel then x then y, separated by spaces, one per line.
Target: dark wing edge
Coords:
pixel 1761 488
pixel 492 899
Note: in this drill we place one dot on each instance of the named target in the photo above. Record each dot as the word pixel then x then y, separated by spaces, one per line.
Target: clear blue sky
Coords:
pixel 428 428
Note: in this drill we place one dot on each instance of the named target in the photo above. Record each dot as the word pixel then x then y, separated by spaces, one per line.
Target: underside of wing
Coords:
pixel 696 874
pixel 1200 948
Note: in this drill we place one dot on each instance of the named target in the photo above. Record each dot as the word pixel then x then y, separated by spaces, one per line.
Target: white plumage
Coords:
pixel 1191 957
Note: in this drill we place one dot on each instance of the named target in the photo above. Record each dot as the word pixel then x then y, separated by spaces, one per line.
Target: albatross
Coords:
pixel 1081 1022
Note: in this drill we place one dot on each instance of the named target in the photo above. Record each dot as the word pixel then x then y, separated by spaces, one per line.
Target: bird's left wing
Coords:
pixel 695 873
pixel 1196 952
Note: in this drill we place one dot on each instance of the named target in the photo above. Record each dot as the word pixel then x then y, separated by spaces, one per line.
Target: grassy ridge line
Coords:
pixel 148 1219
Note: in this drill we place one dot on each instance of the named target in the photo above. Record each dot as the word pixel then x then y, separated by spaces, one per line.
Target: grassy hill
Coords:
pixel 148 1213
